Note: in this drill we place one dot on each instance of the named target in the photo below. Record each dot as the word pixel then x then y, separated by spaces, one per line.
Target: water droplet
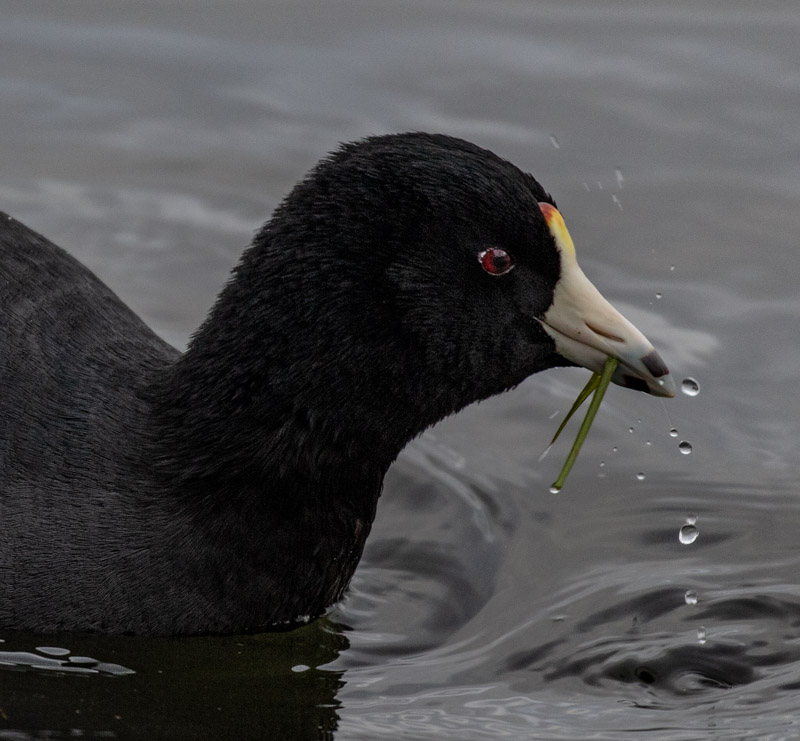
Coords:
pixel 616 200
pixel 586 185
pixel 300 668
pixel 620 178
pixel 690 597
pixel 672 268
pixel 599 185
pixel 647 443
pixel 602 463
pixel 690 387
pixel 685 447
pixel 614 449
pixel 555 489
pixel 701 636
pixel 691 520
pixel 554 414
pixel 658 294
pixel 673 432
pixel 640 476
pixel 688 534
pixel 554 141
pixel 630 429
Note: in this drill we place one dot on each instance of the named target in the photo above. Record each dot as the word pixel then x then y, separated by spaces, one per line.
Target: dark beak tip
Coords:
pixel 653 362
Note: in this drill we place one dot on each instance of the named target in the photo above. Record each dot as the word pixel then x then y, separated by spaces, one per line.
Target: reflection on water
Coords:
pixel 248 686
pixel 151 139
pixel 65 664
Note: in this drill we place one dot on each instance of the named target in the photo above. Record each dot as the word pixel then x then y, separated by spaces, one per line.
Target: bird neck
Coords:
pixel 278 489
pixel 233 430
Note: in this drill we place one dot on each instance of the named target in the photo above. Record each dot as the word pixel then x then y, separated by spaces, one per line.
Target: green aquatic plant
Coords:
pixel 597 384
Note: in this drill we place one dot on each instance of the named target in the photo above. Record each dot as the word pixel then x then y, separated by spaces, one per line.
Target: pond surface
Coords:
pixel 152 138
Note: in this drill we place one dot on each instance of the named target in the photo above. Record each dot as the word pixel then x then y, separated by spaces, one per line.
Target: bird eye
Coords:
pixel 496 261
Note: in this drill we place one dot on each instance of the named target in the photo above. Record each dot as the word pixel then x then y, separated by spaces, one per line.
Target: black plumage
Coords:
pixel 232 487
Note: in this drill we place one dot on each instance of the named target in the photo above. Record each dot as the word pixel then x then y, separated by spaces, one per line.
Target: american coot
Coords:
pixel 231 487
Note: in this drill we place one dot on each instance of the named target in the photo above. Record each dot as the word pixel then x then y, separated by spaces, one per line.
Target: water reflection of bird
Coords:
pixel 232 487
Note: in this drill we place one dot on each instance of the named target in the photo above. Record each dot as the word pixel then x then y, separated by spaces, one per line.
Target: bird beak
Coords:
pixel 587 329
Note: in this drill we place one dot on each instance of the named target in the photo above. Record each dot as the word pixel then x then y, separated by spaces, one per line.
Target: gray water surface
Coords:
pixel 152 138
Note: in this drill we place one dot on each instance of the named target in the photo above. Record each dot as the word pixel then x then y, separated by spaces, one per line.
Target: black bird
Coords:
pixel 231 488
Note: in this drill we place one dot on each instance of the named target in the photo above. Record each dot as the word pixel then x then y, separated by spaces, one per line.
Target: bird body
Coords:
pixel 232 487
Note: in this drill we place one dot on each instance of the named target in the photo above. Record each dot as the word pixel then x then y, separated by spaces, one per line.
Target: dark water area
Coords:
pixel 152 138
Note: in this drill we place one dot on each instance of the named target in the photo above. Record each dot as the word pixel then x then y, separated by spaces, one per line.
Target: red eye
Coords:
pixel 496 261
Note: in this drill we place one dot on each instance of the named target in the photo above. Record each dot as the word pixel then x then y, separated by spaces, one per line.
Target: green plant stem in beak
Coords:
pixel 598 384
pixel 582 396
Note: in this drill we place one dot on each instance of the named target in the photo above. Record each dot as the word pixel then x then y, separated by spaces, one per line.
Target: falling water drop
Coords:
pixel 614 449
pixel 554 141
pixel 691 520
pixel 620 177
pixel 690 387
pixel 701 636
pixel 658 294
pixel 690 597
pixel 673 432
pixel 640 476
pixel 630 429
pixel 672 268
pixel 688 534
pixel 648 443
pixel 616 201
pixel 685 447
